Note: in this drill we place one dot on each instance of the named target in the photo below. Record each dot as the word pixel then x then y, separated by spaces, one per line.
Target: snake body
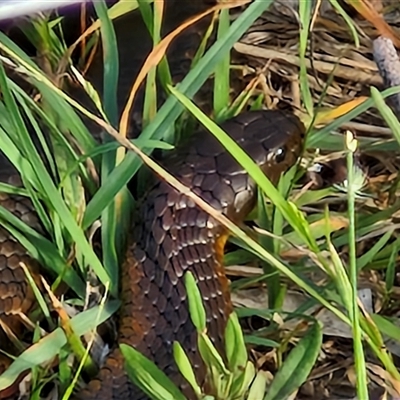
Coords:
pixel 171 235
pixel 16 294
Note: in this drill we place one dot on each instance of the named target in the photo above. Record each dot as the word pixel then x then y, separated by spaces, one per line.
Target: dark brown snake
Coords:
pixel 171 235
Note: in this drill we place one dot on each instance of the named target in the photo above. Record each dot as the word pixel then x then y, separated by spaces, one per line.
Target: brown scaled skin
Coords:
pixel 16 294
pixel 173 235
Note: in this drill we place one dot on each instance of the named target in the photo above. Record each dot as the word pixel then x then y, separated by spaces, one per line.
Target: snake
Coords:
pixel 170 236
pixel 175 236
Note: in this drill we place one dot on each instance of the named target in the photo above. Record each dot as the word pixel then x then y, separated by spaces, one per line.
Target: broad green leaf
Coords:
pixel 210 355
pixel 257 389
pixel 297 366
pixel 241 382
pixel 183 362
pixel 236 351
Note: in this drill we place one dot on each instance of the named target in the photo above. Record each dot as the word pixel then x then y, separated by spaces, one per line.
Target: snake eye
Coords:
pixel 280 154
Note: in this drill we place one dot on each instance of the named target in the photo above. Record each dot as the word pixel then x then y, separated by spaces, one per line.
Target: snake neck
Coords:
pixel 173 237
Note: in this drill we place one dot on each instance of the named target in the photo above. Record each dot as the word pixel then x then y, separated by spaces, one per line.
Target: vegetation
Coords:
pixel 324 244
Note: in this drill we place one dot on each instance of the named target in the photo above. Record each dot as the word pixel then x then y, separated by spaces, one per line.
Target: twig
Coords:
pixel 387 60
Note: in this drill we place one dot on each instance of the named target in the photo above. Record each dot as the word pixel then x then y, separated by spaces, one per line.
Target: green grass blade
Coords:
pixel 368 257
pixel 336 5
pixel 110 234
pixel 221 75
pixel 305 21
pixel 362 385
pixel 391 269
